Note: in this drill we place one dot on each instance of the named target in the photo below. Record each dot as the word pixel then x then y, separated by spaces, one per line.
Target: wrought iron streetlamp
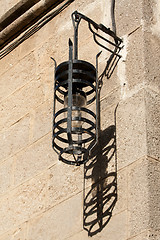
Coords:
pixel 75 125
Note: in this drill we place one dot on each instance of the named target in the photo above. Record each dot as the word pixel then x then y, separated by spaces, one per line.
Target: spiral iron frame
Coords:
pixel 70 141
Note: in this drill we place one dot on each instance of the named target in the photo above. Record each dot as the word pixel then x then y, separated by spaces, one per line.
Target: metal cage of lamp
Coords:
pixel 75 125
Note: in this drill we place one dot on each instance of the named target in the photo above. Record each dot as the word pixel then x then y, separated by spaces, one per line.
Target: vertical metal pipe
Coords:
pixel 76 20
pixel 54 99
pixel 69 113
pixel 76 41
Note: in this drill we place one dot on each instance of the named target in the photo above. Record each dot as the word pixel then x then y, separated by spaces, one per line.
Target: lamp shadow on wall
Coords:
pixel 100 173
pixel 100 183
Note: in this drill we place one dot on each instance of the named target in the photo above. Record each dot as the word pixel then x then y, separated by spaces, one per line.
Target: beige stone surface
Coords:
pixel 89 52
pixel 42 120
pixel 152 99
pixel 6 175
pixel 9 61
pixel 116 229
pixel 28 97
pixel 152 58
pixel 27 47
pixel 122 191
pixel 108 110
pixel 147 235
pixel 17 76
pixel 116 194
pixel 111 84
pixel 138 199
pixel 18 233
pixel 65 184
pixel 33 160
pixel 154 193
pixel 128 16
pixel 22 203
pixel 131 130
pixel 143 199
pixel 59 222
pixel 14 138
pixel 135 65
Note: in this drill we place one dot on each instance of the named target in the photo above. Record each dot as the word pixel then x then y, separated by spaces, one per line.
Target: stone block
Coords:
pixel 44 53
pixel 154 193
pixel 92 10
pixel 59 222
pixel 83 235
pixel 89 53
pixel 149 10
pixel 14 138
pixel 135 65
pixel 131 130
pixel 45 65
pixel 23 203
pixel 103 200
pixel 107 117
pixel 47 35
pixel 42 122
pixel 103 186
pixel 108 110
pixel 64 182
pixel 128 16
pixel 64 33
pixel 103 159
pixel 99 203
pixel 122 191
pixel 20 103
pixel 6 236
pixel 115 229
pixel 102 163
pixel 152 100
pixel 147 235
pixel 112 83
pixel 9 61
pixel 17 76
pixel 35 159
pixel 89 8
pixel 138 197
pixel 152 58
pixel 46 76
pixel 6 175
pixel 109 100
pixel 27 46
pixel 18 233
pixel 143 196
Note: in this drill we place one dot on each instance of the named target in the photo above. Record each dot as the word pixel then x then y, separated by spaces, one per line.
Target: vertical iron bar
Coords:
pixel 97 105
pixel 76 20
pixel 69 113
pixel 76 41
pixel 54 99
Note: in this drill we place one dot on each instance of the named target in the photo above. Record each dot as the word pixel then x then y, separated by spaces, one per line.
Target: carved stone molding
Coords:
pixel 21 16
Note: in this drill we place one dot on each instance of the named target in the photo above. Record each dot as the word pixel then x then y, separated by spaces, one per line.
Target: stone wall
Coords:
pixel 116 195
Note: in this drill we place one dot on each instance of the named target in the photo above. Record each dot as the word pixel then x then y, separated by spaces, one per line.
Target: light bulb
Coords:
pixel 78 100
